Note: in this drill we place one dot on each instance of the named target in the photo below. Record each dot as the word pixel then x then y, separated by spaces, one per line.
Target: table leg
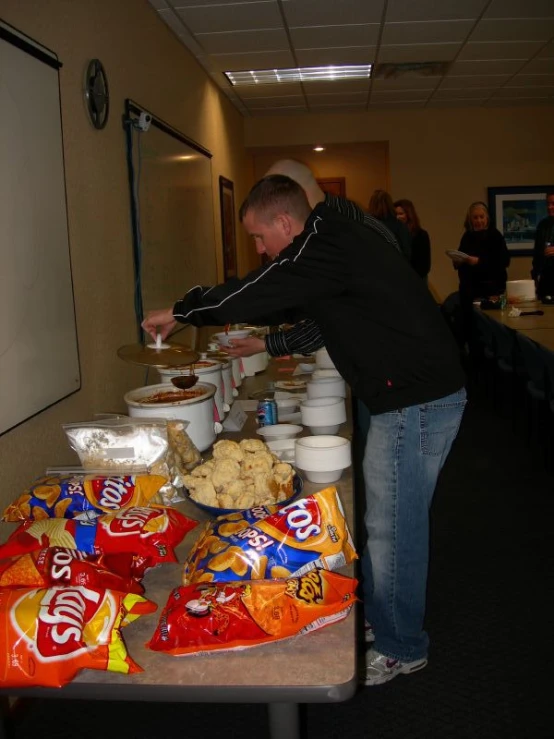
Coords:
pixel 284 720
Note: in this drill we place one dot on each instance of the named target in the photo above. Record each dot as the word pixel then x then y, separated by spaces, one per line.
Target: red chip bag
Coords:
pixel 148 532
pixel 55 566
pixel 48 635
pixel 235 615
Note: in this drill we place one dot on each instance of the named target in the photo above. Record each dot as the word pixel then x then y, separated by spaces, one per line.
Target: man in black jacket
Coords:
pixel 543 253
pixel 387 338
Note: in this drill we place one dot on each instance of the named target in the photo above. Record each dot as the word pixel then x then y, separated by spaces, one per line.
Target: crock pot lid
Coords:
pixel 176 355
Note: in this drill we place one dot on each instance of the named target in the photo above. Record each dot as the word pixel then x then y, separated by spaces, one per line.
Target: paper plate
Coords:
pixel 453 254
pixel 297 485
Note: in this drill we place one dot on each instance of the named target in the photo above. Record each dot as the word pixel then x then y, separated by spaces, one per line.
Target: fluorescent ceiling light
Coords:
pixel 319 148
pixel 299 74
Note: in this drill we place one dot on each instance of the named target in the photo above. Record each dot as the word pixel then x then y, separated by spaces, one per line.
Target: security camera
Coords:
pixel 144 121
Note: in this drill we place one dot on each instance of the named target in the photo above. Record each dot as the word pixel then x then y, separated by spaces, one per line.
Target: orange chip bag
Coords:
pixel 308 533
pixel 57 496
pixel 55 566
pixel 48 635
pixel 234 615
pixel 149 532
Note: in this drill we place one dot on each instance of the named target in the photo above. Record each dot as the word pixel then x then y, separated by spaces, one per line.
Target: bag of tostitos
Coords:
pixel 236 615
pixel 308 533
pixel 48 635
pixel 56 566
pixel 148 532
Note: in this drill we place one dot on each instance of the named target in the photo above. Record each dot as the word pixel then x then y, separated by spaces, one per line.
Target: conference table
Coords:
pixel 524 323
pixel 313 668
pixel 542 336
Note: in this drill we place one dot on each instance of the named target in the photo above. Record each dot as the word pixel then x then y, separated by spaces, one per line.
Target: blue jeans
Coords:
pixel 404 453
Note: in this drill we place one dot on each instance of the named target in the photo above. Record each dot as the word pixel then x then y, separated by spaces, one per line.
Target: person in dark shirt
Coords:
pixel 421 244
pixel 381 207
pixel 483 271
pixel 543 253
pixel 385 335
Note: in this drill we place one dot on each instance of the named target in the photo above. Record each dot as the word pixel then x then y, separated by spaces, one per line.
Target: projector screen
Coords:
pixel 39 360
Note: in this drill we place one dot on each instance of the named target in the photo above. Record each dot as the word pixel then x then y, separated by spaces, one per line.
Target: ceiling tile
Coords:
pixel 531 80
pixel 338 98
pixel 378 95
pixel 513 30
pixel 276 102
pixel 500 50
pixel 318 37
pixel 285 110
pixel 256 60
pixel 345 55
pixel 332 12
pixel 172 19
pixel 158 4
pixel 337 107
pixel 399 104
pixel 406 82
pixel 191 3
pixel 257 91
pixel 525 92
pixel 539 66
pixel 425 32
pixel 547 51
pixel 314 88
pixel 243 41
pixel 422 10
pixel 520 9
pixel 514 102
pixel 418 53
pixel 456 103
pixel 240 17
pixel 467 93
pixel 486 66
pixel 475 80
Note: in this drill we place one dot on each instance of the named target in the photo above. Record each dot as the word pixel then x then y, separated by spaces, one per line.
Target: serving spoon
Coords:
pixel 184 382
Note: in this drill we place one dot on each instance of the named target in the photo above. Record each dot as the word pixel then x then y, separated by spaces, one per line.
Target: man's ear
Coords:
pixel 284 222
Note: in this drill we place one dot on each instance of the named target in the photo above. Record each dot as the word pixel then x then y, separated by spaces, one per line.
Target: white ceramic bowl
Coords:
pixel 319 430
pixel 279 431
pixel 323 412
pixel 306 367
pixel 319 373
pixel 324 453
pixel 324 478
pixel 323 360
pixel 287 405
pixel 224 338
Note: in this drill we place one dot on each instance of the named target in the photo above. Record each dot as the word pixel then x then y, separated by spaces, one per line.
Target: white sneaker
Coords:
pixel 369 636
pixel 380 669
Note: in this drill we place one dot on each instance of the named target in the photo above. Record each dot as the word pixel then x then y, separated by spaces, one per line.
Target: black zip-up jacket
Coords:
pixel 380 324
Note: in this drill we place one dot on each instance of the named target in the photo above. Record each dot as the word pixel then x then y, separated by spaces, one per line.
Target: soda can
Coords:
pixel 267 412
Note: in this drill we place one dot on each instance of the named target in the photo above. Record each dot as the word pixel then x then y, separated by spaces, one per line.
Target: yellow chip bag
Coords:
pixel 309 533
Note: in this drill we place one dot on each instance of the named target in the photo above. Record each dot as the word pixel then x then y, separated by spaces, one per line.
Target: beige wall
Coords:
pixel 146 63
pixel 364 166
pixel 440 159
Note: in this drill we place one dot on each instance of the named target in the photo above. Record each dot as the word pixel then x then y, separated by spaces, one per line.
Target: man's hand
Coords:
pixel 159 322
pixel 245 347
pixel 549 251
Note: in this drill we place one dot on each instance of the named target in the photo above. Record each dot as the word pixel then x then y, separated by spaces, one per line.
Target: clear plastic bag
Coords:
pixel 113 444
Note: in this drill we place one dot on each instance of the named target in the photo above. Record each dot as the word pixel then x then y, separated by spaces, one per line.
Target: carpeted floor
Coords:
pixel 488 617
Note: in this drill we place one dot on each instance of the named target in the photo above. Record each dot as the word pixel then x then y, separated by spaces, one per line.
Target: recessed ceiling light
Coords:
pixel 299 74
pixel 319 148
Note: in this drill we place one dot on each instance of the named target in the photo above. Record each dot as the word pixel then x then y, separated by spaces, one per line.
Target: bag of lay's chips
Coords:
pixel 55 566
pixel 150 532
pixel 308 533
pixel 48 635
pixel 205 617
pixel 69 496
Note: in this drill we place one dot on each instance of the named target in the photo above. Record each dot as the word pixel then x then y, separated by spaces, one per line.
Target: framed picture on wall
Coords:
pixel 228 235
pixel 516 212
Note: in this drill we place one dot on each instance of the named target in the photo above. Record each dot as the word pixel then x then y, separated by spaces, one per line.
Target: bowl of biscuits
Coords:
pixel 239 476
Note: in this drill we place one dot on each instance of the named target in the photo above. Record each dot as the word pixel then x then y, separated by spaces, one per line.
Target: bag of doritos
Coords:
pixel 236 615
pixel 48 635
pixel 69 496
pixel 308 533
pixel 47 568
pixel 149 532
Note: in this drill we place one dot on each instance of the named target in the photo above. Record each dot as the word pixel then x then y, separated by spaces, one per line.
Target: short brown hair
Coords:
pixel 381 205
pixel 276 194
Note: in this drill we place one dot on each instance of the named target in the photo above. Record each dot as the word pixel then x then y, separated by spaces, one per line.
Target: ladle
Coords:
pixel 184 382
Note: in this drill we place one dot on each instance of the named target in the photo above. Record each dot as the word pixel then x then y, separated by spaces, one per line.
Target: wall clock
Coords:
pixel 96 94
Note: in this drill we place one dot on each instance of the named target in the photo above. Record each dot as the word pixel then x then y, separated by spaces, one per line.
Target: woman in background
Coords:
pixel 421 244
pixel 381 207
pixel 483 272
